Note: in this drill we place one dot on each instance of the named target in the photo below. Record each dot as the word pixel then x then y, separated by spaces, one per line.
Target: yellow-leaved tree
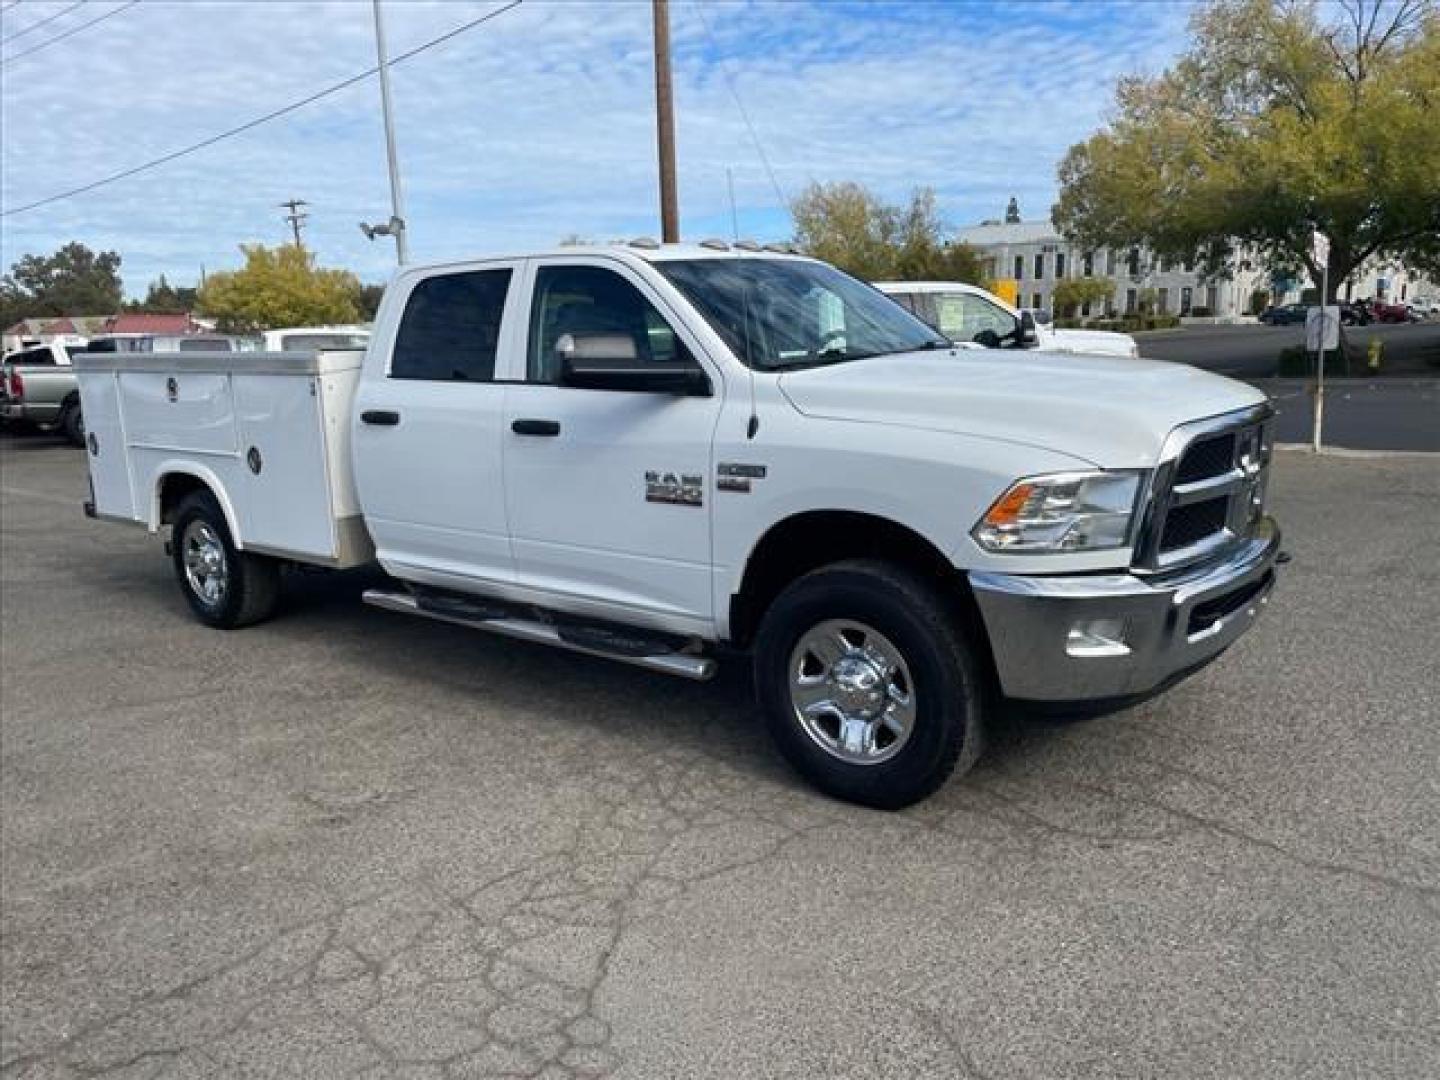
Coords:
pixel 279 287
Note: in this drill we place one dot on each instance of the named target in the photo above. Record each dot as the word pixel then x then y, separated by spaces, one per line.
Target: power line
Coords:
pixel 273 115
pixel 69 33
pixel 744 113
pixel 43 22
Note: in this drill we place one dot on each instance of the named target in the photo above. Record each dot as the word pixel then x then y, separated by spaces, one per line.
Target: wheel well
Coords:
pixel 806 542
pixel 72 398
pixel 174 488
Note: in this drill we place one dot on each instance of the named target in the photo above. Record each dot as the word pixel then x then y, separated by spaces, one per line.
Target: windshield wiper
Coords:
pixel 830 356
pixel 928 346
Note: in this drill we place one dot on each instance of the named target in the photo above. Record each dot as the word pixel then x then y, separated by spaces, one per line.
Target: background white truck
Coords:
pixel 971 316
pixel 655 453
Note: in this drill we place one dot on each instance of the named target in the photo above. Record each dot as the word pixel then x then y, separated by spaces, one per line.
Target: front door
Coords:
pixel 428 432
pixel 609 492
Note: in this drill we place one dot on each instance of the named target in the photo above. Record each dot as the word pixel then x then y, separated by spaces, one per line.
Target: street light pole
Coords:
pixel 665 125
pixel 397 201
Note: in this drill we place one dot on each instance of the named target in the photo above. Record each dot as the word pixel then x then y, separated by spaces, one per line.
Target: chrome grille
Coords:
pixel 1208 489
pixel 1206 457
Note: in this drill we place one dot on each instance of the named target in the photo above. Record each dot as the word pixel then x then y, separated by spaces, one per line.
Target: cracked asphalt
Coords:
pixel 351 844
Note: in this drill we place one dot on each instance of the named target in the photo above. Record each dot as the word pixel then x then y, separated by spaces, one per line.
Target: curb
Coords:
pixel 1346 452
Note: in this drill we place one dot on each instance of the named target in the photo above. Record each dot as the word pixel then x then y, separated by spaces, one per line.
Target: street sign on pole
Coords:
pixel 1327 332
pixel 1322 328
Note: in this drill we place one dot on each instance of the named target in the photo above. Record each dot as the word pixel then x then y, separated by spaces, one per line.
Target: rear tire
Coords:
pixel 868 684
pixel 72 424
pixel 225 587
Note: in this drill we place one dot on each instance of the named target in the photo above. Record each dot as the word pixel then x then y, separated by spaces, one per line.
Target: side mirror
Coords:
pixel 1042 317
pixel 609 362
pixel 1028 335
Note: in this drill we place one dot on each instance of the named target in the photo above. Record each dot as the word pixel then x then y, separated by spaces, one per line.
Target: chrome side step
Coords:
pixel 670 663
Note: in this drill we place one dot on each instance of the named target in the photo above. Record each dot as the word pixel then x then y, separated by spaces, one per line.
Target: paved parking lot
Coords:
pixel 347 843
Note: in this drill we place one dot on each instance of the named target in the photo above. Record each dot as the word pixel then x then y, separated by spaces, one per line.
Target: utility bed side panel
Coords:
pixel 286 491
pixel 181 411
pixel 112 488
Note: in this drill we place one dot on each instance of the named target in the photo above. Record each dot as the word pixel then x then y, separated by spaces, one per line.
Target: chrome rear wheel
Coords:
pixel 207 571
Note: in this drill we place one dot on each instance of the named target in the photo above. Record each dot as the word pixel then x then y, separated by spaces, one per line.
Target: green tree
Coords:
pixel 279 287
pixel 1276 122
pixel 367 299
pixel 847 225
pixel 1073 293
pixel 162 298
pixel 72 281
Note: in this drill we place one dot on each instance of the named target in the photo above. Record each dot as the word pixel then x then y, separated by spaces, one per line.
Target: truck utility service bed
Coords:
pixel 268 433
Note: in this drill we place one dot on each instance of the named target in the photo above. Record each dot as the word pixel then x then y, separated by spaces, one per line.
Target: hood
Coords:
pixel 1100 341
pixel 1112 411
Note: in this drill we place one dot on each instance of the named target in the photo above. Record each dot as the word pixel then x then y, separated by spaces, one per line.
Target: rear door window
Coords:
pixel 450 331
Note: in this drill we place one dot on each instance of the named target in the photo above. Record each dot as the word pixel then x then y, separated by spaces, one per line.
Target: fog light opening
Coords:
pixel 1097 637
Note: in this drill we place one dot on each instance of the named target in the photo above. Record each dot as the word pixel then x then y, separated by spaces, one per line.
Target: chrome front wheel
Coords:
pixel 852 692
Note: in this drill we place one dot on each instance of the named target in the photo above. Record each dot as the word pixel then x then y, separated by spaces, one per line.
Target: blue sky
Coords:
pixel 538 124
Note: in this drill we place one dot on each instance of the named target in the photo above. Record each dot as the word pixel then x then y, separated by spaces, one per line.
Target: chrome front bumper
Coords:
pixel 1090 637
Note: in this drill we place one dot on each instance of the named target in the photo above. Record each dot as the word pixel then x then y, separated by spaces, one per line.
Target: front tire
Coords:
pixel 225 587
pixel 868 684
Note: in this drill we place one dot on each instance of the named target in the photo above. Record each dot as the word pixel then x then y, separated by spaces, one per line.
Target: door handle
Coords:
pixel 535 427
pixel 384 417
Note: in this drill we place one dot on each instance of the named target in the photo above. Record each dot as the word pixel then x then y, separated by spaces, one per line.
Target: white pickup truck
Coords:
pixel 660 454
pixel 974 318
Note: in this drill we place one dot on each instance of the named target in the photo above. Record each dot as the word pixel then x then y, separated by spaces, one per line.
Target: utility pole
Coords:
pixel 295 218
pixel 397 202
pixel 665 125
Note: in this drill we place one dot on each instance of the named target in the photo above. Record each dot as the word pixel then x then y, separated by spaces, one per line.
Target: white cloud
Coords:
pixel 539 123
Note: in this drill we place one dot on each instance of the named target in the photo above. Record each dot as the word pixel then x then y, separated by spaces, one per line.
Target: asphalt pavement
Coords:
pixel 1252 351
pixel 1363 412
pixel 350 844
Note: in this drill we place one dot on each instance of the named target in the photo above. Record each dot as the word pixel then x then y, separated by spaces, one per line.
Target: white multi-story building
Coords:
pixel 1036 257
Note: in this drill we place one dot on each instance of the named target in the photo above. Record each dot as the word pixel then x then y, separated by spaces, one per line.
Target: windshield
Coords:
pixel 781 314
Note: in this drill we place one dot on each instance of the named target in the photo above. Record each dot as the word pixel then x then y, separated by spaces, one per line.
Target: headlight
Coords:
pixel 1064 512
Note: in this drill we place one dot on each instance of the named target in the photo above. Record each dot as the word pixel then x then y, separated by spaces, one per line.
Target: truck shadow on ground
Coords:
pixel 616 697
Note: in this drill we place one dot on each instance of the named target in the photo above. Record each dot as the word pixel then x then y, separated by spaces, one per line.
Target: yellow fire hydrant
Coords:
pixel 1373 354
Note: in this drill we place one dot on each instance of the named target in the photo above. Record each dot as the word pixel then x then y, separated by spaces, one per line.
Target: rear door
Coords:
pixel 609 491
pixel 427 431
